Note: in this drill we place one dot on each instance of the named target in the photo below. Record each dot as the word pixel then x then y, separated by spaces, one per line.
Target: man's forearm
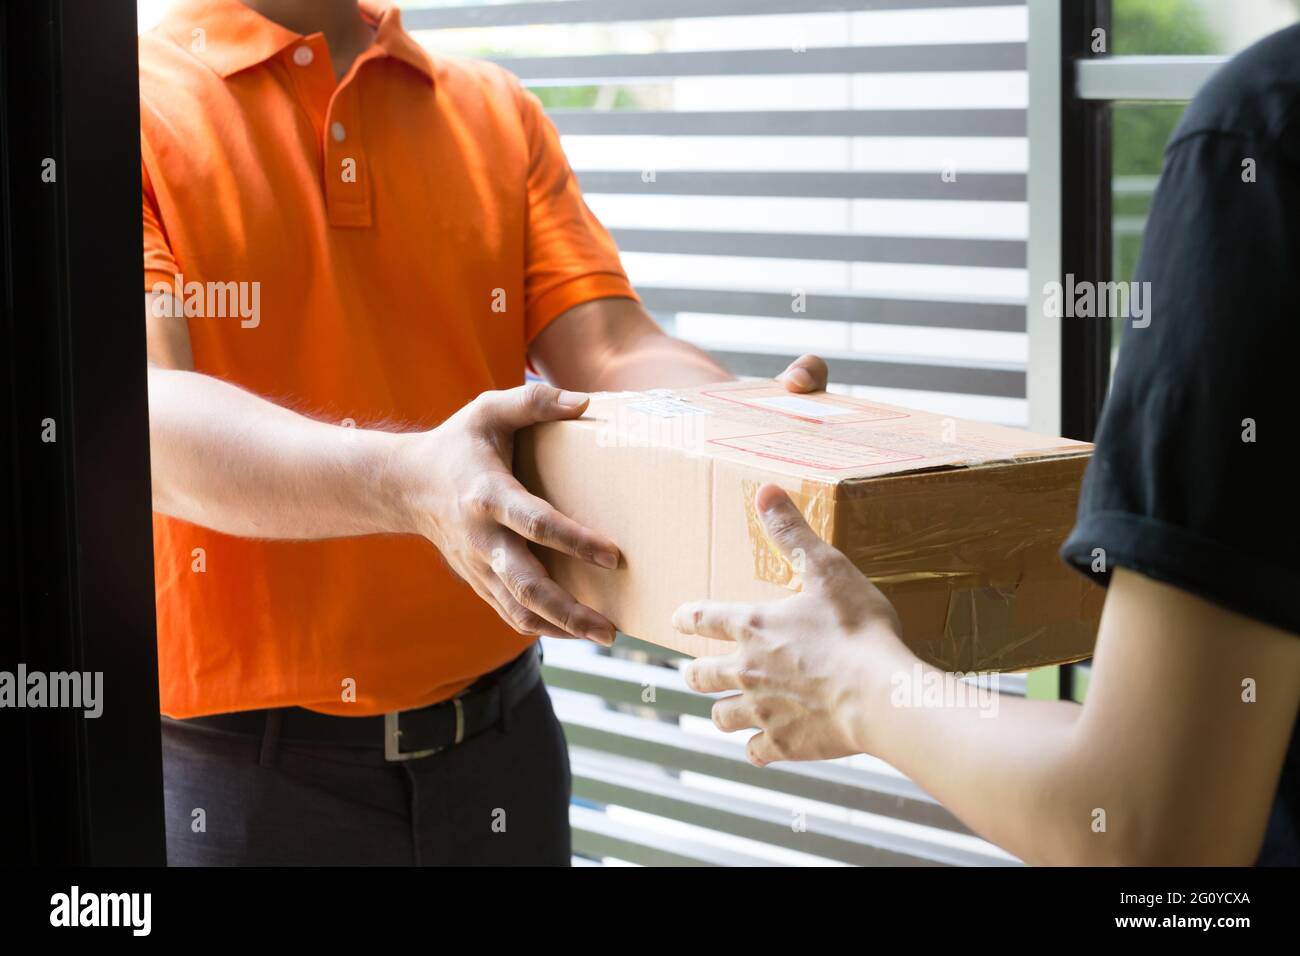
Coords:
pixel 226 459
pixel 656 360
pixel 613 345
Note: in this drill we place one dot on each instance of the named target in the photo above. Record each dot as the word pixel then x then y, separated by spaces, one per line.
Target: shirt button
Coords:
pixel 303 56
pixel 338 132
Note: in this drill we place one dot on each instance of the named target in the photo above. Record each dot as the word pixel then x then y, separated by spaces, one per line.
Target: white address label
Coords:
pixel 795 405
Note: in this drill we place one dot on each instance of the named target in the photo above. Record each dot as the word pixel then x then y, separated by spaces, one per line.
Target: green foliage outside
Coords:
pixel 1141 130
pixel 581 98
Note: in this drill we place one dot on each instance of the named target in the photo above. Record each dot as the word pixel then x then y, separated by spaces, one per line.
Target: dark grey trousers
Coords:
pixel 500 798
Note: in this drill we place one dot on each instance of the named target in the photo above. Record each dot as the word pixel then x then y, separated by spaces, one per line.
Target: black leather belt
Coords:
pixel 402 735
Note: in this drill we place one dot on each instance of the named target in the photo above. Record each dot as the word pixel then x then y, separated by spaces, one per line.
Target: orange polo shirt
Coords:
pixel 379 249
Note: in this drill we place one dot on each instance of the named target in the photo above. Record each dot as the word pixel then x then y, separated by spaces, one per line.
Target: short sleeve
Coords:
pixel 1194 477
pixel 159 262
pixel 570 257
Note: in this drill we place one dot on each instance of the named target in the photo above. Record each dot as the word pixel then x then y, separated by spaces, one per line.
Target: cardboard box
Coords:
pixel 958 522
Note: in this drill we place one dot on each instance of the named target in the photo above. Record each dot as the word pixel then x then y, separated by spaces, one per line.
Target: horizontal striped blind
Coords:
pixel 791 175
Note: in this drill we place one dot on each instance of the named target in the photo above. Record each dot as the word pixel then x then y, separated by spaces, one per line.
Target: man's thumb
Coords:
pixel 537 402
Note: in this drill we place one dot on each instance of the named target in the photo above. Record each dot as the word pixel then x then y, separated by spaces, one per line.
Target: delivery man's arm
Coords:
pixel 226 459
pixel 1167 753
pixel 612 344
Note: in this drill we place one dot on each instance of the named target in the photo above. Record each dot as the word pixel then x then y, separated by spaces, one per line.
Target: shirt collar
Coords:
pixel 230 37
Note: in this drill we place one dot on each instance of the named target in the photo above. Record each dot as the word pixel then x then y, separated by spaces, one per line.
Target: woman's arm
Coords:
pixel 1173 759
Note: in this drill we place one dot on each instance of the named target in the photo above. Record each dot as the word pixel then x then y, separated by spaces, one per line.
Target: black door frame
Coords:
pixel 1086 234
pixel 1086 225
pixel 78 509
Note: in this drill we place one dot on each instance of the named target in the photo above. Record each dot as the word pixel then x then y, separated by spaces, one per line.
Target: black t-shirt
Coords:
pixel 1194 478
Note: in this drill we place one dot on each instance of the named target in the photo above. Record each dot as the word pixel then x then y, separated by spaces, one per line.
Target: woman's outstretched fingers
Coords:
pixel 717 619
pixel 713 675
pixel 735 713
pixel 760 750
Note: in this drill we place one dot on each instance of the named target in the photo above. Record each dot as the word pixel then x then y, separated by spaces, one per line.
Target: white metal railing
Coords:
pixel 1154 78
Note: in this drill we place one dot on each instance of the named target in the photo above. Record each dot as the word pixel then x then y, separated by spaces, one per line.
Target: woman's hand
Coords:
pixel 807 666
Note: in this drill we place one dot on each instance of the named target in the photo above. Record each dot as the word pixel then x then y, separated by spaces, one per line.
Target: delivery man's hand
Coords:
pixel 466 501
pixel 807 373
pixel 806 666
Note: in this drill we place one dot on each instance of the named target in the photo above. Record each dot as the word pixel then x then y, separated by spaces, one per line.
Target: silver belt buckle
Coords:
pixel 393 735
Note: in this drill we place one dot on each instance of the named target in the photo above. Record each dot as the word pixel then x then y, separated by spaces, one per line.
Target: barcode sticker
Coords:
pixel 667 408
